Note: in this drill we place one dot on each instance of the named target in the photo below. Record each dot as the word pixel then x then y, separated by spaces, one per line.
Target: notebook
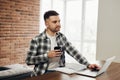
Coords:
pixel 88 72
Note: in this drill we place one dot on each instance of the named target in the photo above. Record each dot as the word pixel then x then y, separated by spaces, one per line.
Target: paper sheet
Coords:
pixel 70 68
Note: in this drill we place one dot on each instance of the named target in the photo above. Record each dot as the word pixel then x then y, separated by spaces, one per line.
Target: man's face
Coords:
pixel 53 23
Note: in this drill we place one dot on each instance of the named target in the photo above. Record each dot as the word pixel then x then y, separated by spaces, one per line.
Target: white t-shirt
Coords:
pixel 54 62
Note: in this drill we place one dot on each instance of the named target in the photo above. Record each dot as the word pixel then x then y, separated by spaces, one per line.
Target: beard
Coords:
pixel 56 29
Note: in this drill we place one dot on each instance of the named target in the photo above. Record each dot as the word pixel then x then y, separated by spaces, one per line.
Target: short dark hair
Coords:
pixel 50 13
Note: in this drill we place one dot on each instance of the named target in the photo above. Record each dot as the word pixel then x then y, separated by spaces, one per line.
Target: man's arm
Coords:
pixel 33 57
pixel 75 53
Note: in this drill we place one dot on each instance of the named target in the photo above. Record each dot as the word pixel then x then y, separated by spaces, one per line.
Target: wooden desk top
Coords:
pixel 112 73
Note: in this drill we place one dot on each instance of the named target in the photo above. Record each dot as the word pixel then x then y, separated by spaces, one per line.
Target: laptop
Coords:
pixel 91 73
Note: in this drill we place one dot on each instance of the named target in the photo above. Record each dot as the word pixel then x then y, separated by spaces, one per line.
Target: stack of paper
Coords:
pixel 70 68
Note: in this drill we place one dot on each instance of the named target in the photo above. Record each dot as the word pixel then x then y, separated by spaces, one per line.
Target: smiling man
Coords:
pixel 42 53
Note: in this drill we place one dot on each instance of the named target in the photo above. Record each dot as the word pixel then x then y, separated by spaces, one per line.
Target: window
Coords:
pixel 79 23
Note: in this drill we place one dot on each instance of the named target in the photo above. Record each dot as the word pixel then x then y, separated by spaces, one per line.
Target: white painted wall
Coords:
pixel 108 36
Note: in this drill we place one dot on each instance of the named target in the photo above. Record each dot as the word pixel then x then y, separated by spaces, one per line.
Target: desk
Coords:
pixel 112 73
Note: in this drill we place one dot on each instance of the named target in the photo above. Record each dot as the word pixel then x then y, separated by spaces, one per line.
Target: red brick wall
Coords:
pixel 19 22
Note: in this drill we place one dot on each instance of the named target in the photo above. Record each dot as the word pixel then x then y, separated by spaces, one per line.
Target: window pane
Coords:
pixel 90 20
pixel 90 29
pixel 73 19
pixel 89 50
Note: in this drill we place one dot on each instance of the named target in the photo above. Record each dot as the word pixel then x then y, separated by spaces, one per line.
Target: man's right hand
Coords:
pixel 54 53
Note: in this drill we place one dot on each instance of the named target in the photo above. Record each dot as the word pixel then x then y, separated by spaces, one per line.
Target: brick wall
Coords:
pixel 19 23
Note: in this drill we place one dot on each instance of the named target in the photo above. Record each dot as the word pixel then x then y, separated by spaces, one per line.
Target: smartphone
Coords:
pixel 57 48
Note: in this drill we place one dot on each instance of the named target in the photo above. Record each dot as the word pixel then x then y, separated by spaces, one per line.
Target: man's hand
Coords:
pixel 94 66
pixel 54 53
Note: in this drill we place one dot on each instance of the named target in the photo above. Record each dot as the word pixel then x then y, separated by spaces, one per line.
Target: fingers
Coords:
pixel 92 66
pixel 57 53
pixel 57 50
pixel 54 53
pixel 97 67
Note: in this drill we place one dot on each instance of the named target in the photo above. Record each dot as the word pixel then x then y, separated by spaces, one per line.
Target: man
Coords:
pixel 42 53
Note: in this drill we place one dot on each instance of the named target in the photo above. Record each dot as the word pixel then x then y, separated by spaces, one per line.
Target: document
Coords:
pixel 70 68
